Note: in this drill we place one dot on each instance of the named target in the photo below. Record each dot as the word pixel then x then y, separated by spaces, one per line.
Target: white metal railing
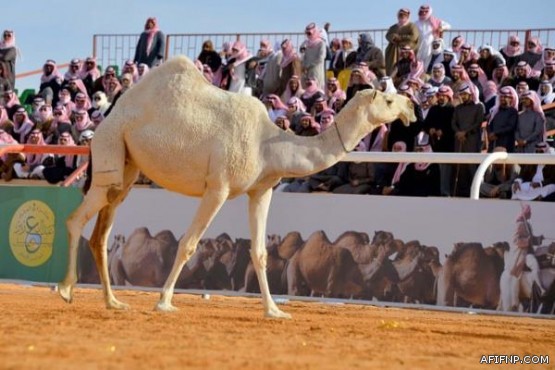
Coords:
pixel 484 159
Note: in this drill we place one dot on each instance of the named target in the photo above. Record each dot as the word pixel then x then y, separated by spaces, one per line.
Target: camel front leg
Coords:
pixel 259 203
pixel 211 203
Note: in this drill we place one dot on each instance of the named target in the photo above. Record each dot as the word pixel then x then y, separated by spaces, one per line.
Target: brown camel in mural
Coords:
pixel 144 260
pixel 221 145
pixel 472 273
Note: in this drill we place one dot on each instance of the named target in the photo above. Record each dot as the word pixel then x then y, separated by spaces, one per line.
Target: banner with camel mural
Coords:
pixel 444 251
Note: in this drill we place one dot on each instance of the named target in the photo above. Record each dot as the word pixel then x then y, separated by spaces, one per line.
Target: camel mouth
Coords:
pixel 406 120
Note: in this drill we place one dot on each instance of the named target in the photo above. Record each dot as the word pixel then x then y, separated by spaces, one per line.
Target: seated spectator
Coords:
pixel 22 125
pixel 82 122
pixel 468 56
pixel 112 90
pixel 311 93
pixel 3 116
pixel 293 89
pixel 523 73
pixel 103 82
pixel 295 110
pixel 100 103
pixel 449 60
pixel 417 179
pixel 501 76
pixel 535 182
pixel 357 82
pixel 546 94
pixel 74 70
pixel 388 174
pixel 549 72
pixel 329 179
pixel 456 45
pixel 521 88
pixel 275 107
pixel 366 71
pixel 402 69
pixel 360 176
pixel 490 96
pixel 130 68
pixel 50 82
pixel 60 124
pixel 320 106
pixel 82 102
pixel 97 117
pixel 548 56
pixel 63 165
pixel 44 119
pixel 386 85
pixel 530 129
pixel 64 99
pixel 283 123
pixel 438 77
pixel 512 51
pixel 498 179
pixel 478 79
pixel 38 102
pixel 327 118
pixel 143 70
pixel 334 92
pixel 7 161
pixel 307 126
pixel 34 163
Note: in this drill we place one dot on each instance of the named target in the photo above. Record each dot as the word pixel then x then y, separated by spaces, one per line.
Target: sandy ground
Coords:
pixel 40 331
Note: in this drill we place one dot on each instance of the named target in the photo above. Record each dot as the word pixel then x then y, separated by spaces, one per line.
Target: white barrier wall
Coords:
pixel 438 222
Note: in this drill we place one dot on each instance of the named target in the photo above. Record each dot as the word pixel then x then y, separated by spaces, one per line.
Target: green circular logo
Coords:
pixel 32 232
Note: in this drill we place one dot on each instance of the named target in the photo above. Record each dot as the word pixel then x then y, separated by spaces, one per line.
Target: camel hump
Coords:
pixel 360 237
pixel 166 236
pixel 140 233
pixel 319 236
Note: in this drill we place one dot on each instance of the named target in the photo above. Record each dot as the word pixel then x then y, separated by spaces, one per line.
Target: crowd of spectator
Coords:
pixel 466 99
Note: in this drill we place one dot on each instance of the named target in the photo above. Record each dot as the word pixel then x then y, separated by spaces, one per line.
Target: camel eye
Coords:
pixel 389 101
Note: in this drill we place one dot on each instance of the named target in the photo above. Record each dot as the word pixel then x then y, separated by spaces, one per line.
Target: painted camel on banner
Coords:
pixel 195 139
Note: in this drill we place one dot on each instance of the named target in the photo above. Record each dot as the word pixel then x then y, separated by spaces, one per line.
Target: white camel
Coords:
pixel 195 139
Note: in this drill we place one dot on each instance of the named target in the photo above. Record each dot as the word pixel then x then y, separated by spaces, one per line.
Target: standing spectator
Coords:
pixel 151 45
pixel 314 56
pixel 467 120
pixel 442 137
pixel 8 55
pixel 533 52
pixel 531 123
pixel 403 33
pixel 511 51
pixel 490 96
pixel 503 120
pixel 346 56
pixel 269 68
pixel 436 55
pixel 210 56
pixel 290 66
pixel 89 74
pixel 397 129
pixel 50 82
pixel 456 45
pixel 10 102
pixel 5 81
pixel 372 55
pixel 430 28
pixel 239 73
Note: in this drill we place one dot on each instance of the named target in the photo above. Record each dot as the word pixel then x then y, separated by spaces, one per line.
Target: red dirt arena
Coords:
pixel 40 331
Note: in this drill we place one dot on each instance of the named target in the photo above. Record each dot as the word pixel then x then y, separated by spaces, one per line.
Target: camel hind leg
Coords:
pixel 259 203
pixel 104 202
pixel 211 203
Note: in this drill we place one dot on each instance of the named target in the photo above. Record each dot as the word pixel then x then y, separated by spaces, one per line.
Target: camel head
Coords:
pixel 382 107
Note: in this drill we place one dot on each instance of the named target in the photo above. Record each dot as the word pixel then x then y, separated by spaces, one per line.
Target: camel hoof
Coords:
pixel 114 304
pixel 276 313
pixel 66 292
pixel 165 307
